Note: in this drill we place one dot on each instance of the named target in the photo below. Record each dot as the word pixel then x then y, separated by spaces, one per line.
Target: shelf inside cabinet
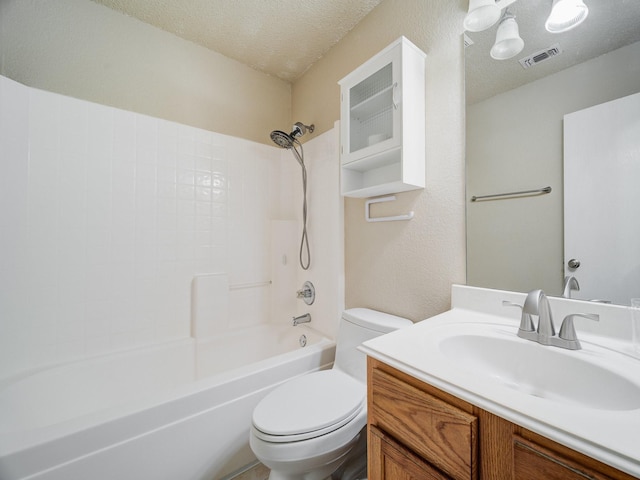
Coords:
pixel 373 175
pixel 373 105
pixel 383 159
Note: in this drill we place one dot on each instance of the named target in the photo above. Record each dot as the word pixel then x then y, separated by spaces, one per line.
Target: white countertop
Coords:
pixel 611 435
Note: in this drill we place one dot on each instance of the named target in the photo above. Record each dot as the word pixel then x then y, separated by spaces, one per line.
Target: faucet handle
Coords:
pixel 568 330
pixel 526 322
pixel 506 303
pixel 307 293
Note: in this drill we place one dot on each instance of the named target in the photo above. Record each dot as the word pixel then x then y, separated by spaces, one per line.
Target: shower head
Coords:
pixel 282 139
pixel 287 140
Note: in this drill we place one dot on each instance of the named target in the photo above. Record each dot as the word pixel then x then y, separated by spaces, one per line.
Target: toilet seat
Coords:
pixel 309 406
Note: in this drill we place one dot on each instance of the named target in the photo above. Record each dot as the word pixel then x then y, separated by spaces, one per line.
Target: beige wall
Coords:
pixel 514 142
pixel 79 48
pixel 405 268
pixel 85 50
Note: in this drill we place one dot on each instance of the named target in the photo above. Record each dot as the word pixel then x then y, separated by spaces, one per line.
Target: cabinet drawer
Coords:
pixel 440 433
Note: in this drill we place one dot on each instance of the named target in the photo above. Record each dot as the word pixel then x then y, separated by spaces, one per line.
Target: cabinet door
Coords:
pixel 370 104
pixel 534 462
pixel 389 460
pixel 438 432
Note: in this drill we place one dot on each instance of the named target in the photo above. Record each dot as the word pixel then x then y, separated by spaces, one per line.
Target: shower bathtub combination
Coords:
pixel 77 400
pixel 181 410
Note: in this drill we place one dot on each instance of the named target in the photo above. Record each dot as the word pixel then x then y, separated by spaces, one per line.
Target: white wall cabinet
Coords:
pixel 382 128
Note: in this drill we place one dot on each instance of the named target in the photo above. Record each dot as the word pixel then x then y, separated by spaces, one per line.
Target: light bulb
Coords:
pixel 482 14
pixel 565 15
pixel 508 41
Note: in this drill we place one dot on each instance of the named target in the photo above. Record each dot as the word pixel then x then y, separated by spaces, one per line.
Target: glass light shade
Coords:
pixel 482 14
pixel 508 41
pixel 565 15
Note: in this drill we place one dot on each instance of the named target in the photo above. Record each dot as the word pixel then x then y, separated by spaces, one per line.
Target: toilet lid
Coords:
pixel 309 406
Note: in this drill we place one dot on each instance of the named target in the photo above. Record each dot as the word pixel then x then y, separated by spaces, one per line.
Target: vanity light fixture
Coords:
pixel 481 15
pixel 565 15
pixel 508 42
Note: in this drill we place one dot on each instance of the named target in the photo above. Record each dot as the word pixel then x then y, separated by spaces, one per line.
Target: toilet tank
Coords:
pixel 357 326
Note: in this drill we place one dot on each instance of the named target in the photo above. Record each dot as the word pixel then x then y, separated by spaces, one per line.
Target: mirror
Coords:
pixel 515 135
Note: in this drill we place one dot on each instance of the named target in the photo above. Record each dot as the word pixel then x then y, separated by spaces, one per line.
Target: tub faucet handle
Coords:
pixel 307 293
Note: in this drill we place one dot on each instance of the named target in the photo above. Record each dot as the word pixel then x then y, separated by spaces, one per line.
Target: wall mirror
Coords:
pixel 515 137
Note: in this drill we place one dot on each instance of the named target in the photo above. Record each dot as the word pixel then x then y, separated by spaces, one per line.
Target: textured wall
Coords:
pixel 88 51
pixel 405 268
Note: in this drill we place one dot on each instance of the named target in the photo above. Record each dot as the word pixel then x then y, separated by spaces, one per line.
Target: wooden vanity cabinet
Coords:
pixel 417 431
pixel 391 460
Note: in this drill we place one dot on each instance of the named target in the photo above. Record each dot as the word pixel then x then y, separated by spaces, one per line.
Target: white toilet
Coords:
pixel 307 427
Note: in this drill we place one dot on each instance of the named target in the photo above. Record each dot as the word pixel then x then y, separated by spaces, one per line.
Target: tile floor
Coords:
pixel 259 472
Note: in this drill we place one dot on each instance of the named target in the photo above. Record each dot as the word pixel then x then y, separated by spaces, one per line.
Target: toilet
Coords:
pixel 313 425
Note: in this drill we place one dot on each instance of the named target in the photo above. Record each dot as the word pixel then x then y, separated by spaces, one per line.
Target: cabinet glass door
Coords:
pixel 371 109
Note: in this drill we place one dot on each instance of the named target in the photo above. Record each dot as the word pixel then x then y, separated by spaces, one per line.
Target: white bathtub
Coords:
pixel 179 411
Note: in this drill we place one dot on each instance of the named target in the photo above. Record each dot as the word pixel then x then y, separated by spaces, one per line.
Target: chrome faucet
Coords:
pixel 537 304
pixel 307 293
pixel 306 318
pixel 570 283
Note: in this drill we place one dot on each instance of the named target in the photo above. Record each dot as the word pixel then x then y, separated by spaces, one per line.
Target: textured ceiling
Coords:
pixel 279 37
pixel 611 24
pixel 285 37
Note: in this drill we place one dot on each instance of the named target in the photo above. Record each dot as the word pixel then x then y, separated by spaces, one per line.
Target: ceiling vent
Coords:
pixel 540 56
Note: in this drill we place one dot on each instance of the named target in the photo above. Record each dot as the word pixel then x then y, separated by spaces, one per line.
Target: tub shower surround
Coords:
pixel 107 216
pixel 147 284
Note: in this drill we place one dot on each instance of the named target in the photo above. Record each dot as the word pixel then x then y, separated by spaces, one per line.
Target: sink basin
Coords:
pixel 541 371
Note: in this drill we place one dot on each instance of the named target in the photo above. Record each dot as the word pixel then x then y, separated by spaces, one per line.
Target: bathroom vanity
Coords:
pixel 418 431
pixel 440 408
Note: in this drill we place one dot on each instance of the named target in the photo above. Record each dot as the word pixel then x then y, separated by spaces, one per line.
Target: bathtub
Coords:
pixel 179 411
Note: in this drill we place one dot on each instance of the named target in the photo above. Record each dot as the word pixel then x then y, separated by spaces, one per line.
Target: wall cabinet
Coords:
pixel 417 431
pixel 382 123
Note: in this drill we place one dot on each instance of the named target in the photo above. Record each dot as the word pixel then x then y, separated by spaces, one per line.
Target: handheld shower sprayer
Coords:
pixel 290 142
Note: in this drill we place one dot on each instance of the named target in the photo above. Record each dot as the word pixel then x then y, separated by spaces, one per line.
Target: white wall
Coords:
pixel 325 228
pixel 514 142
pixel 107 216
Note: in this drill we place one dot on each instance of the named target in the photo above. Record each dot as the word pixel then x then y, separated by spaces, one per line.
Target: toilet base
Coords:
pixel 319 473
pixel 355 466
pixel 352 465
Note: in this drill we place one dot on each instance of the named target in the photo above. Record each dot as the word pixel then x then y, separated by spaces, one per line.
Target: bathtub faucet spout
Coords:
pixel 306 318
